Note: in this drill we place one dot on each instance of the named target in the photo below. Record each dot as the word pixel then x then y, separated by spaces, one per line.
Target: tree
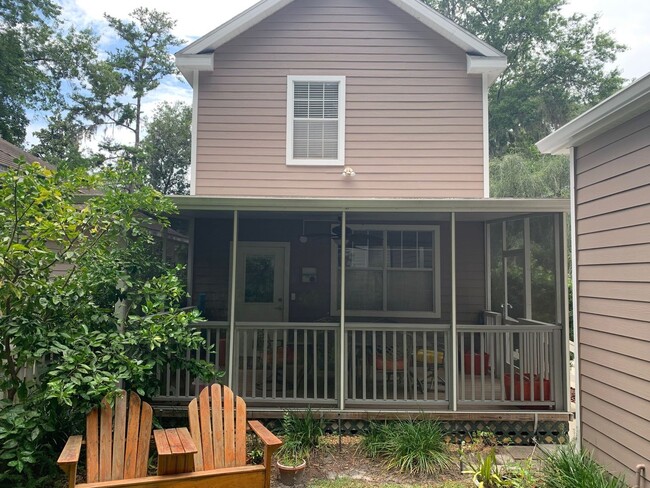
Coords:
pixel 113 88
pixel 167 148
pixel 60 143
pixel 529 175
pixel 37 56
pixel 557 65
pixel 63 269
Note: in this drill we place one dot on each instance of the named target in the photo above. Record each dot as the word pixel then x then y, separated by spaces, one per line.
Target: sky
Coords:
pixel 627 19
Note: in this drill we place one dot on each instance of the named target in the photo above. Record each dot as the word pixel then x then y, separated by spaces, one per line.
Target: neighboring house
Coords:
pixel 609 147
pixel 342 243
pixel 9 152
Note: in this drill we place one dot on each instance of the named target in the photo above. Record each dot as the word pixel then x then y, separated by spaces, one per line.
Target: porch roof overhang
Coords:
pixel 461 205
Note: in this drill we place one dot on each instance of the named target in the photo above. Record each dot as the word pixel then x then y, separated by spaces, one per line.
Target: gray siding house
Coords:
pixel 610 166
pixel 342 244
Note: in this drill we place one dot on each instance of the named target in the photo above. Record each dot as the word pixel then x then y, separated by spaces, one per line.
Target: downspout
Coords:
pixel 194 134
pixel 233 294
pixel 574 292
pixel 640 476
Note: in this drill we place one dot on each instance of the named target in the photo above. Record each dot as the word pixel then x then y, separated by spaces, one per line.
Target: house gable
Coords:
pixel 415 120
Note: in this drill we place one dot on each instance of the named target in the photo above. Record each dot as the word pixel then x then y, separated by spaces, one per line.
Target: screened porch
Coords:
pixel 415 309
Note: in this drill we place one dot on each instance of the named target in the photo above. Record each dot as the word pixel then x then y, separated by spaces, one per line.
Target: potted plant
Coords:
pixel 300 435
pixel 292 461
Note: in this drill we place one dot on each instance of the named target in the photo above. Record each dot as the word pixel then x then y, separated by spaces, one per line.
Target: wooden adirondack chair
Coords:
pixel 117 446
pixel 218 426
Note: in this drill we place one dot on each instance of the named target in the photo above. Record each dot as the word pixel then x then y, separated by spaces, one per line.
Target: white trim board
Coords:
pixel 472 45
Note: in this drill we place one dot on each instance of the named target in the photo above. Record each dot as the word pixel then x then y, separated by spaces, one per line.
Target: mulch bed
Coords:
pixel 331 463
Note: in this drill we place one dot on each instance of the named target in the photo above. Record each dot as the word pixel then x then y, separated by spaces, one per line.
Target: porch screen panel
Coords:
pixel 496 267
pixel 543 269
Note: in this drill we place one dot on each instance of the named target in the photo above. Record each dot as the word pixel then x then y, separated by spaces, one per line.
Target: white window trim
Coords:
pixel 435 314
pixel 341 118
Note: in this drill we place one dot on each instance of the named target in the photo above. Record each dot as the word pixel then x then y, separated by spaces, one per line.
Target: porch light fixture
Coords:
pixel 347 171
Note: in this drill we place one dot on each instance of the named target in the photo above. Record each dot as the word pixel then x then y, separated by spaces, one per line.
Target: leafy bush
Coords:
pixel 568 467
pixel 413 446
pixel 86 303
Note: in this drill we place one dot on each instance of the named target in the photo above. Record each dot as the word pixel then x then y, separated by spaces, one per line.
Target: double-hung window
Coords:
pixel 316 120
pixel 391 271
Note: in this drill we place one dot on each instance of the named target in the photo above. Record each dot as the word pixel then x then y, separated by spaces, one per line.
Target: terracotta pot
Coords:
pixel 291 475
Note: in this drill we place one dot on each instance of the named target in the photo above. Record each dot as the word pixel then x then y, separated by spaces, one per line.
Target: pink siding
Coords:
pixel 413 121
pixel 613 264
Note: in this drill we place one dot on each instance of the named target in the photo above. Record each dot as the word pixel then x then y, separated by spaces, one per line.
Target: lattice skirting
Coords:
pixel 506 433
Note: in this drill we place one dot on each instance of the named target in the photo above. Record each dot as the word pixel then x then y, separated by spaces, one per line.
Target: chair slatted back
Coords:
pixel 117 440
pixel 218 428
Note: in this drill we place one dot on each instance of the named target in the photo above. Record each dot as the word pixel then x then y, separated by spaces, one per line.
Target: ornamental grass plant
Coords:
pixel 410 446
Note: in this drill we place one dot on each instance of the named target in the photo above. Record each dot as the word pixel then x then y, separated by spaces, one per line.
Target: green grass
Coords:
pixel 570 468
pixel 411 446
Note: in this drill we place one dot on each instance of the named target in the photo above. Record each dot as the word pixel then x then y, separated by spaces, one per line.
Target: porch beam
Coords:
pixel 190 260
pixel 454 332
pixel 233 294
pixel 343 356
pixel 565 322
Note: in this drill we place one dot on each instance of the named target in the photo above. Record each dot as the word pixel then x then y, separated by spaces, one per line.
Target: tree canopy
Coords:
pixel 38 54
pixel 558 65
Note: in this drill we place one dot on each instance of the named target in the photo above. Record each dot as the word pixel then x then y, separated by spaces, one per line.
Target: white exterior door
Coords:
pixel 262 286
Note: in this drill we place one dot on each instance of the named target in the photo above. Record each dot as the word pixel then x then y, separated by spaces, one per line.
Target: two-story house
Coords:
pixel 342 243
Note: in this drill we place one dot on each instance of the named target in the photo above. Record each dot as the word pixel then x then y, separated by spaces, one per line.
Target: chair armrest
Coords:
pixel 70 457
pixel 266 436
pixel 71 451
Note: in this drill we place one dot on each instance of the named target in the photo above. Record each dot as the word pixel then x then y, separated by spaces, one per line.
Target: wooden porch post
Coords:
pixel 233 293
pixel 565 303
pixel 342 362
pixel 190 260
pixel 454 333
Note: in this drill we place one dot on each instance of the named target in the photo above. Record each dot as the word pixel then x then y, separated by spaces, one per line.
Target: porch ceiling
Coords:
pixel 468 209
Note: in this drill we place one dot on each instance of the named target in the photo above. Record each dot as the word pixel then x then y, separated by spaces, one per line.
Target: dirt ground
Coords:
pixel 331 463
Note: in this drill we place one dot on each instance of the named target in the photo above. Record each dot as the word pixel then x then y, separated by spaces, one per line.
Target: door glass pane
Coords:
pixel 516 307
pixel 496 267
pixel 259 280
pixel 410 291
pixel 542 264
pixel 514 234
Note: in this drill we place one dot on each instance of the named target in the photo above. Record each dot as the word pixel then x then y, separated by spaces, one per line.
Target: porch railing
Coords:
pixel 510 365
pixel 396 364
pixel 178 384
pixel 287 364
pixel 387 366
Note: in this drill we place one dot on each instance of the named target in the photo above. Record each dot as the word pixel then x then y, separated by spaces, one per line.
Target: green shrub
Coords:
pixel 305 430
pixel 487 473
pixel 569 468
pixel 412 446
pixel 300 436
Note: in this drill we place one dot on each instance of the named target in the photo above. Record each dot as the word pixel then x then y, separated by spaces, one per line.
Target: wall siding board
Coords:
pixel 613 267
pixel 410 105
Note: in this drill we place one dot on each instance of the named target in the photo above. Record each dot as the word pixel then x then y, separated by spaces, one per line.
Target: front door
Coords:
pixel 261 282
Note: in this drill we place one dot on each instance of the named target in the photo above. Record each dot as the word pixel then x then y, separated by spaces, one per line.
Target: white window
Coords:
pixel 316 120
pixel 390 271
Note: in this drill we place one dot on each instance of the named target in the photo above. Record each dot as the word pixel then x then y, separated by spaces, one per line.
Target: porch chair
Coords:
pixel 117 446
pixel 218 427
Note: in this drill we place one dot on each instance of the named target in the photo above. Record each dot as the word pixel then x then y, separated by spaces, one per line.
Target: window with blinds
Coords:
pixel 315 125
